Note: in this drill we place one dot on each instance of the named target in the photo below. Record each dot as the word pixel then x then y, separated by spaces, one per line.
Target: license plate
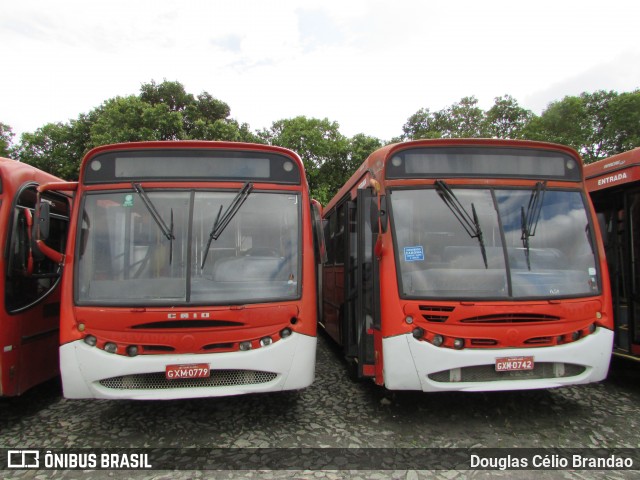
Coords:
pixel 513 364
pixel 192 370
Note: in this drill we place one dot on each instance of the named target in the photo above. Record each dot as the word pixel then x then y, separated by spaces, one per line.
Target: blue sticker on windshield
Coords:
pixel 413 254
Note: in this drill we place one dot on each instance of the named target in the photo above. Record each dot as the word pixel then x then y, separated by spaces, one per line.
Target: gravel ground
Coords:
pixel 334 413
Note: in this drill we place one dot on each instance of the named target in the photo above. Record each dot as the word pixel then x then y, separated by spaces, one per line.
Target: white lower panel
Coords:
pixel 408 363
pixel 82 367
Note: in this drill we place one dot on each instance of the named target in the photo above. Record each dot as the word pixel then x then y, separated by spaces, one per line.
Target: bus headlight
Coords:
pixel 418 333
pixel 90 340
pixel 110 347
pixel 244 346
pixel 132 350
pixel 285 332
pixel 458 343
pixel 265 341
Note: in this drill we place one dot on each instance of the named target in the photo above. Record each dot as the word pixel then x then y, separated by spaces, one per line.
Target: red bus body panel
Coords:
pixel 28 339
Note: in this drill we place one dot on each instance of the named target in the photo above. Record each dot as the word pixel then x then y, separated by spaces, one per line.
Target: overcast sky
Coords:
pixel 367 64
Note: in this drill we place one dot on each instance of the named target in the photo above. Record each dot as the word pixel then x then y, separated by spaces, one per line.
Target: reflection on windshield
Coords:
pixel 438 258
pixel 124 258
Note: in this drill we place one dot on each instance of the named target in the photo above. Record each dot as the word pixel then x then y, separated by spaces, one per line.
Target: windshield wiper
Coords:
pixel 167 231
pixel 529 219
pixel 223 219
pixel 469 222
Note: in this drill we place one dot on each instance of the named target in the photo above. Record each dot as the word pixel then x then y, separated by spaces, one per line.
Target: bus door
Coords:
pixel 32 305
pixel 633 222
pixel 622 242
pixel 360 309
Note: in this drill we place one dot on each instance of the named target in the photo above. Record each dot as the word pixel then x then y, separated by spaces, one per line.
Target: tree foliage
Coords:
pixel 598 125
pixel 6 140
pixel 465 119
pixel 163 111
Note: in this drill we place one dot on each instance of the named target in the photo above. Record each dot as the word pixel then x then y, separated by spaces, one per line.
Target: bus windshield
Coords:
pixel 521 243
pixel 126 256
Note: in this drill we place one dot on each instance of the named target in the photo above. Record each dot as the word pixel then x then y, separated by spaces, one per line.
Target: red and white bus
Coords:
pixel 31 301
pixel 189 272
pixel 468 264
pixel 614 185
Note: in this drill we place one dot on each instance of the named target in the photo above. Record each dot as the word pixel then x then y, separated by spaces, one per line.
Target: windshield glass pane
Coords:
pixel 559 259
pixel 256 255
pixel 439 256
pixel 125 256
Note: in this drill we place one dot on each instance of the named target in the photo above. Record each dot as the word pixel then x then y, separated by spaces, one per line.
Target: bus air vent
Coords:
pixel 487 373
pixel 188 324
pixel 157 348
pixel 218 378
pixel 219 346
pixel 482 342
pixel 539 341
pixel 511 318
pixel 437 313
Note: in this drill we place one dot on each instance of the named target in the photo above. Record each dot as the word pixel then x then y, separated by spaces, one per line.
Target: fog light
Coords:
pixel 592 328
pixel 110 347
pixel 409 319
pixel 244 346
pixel 418 333
pixel 458 343
pixel 437 340
pixel 90 340
pixel 266 341
pixel 285 332
pixel 576 335
pixel 132 350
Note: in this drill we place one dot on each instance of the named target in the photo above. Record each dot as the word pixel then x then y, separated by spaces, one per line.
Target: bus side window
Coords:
pixel 329 229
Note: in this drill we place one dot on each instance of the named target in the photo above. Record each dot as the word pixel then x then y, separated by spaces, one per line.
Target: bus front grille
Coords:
pixel 488 373
pixel 218 378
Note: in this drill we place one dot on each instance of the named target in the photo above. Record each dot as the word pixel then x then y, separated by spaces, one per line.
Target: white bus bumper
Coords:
pixel 409 363
pixel 288 364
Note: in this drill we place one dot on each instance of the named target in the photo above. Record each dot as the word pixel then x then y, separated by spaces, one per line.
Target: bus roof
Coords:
pixel 613 171
pixel 375 163
pixel 24 172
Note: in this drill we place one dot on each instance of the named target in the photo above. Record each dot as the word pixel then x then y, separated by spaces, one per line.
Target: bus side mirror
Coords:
pixel 384 217
pixel 43 220
pixel 378 216
pixel 41 229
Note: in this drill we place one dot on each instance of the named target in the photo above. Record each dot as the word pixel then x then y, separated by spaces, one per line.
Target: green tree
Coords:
pixel 53 148
pixel 6 140
pixel 322 148
pixel 424 124
pixel 171 94
pixel 507 119
pixel 465 120
pixel 129 119
pixel 461 120
pixel 623 128
pixel 581 122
